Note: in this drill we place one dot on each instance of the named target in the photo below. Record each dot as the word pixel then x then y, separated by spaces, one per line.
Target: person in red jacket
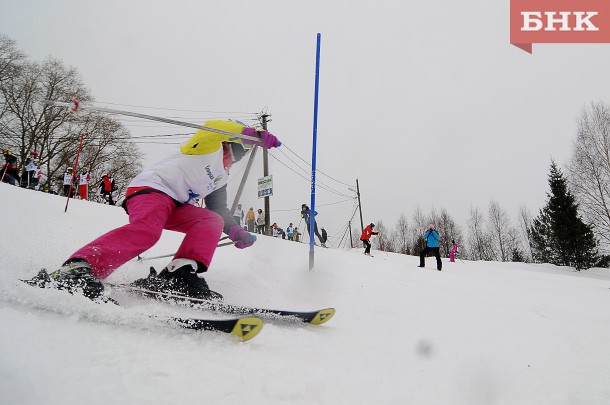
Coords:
pixel 366 235
pixel 106 188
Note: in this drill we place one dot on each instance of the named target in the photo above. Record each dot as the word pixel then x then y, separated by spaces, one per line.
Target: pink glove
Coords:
pixel 267 140
pixel 241 237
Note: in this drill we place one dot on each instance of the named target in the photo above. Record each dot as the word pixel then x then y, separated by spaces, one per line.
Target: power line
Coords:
pixel 322 186
pixel 176 109
pixel 320 205
pixel 319 171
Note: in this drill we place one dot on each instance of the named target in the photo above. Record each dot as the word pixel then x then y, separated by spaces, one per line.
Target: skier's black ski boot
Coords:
pixel 182 280
pixel 74 276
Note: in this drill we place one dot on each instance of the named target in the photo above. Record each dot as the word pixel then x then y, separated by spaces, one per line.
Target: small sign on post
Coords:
pixel 265 187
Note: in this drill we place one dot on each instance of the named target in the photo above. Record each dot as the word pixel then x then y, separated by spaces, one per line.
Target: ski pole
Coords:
pixel 80 145
pixel 75 105
pixel 140 258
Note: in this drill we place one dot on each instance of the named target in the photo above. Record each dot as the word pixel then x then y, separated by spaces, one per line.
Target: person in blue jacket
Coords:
pixel 431 237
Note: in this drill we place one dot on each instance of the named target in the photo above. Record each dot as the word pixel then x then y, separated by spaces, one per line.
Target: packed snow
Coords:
pixel 475 333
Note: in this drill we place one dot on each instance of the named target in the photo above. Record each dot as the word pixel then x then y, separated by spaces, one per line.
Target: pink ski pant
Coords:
pixel 149 214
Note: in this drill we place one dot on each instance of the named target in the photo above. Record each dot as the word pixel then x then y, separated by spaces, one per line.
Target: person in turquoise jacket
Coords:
pixel 431 238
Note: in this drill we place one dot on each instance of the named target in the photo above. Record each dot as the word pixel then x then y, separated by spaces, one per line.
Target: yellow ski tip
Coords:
pixel 322 316
pixel 247 328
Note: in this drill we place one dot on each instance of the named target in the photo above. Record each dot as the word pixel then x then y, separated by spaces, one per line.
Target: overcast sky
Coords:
pixel 426 103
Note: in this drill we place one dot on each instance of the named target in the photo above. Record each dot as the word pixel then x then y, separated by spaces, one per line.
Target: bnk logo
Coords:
pixel 553 21
pixel 559 21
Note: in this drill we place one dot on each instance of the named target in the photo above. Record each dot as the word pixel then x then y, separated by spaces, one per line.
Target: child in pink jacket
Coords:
pixel 454 251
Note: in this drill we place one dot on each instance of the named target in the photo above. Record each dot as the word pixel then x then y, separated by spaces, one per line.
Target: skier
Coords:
pixel 250 219
pixel 158 198
pixel 83 185
pixel 366 236
pixel 238 214
pixel 454 251
pixel 306 215
pixel 431 237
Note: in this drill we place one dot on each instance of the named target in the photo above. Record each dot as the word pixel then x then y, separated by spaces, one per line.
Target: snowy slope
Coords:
pixel 475 333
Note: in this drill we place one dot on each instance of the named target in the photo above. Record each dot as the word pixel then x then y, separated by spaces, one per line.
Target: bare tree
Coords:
pixel 54 133
pixel 500 230
pixel 478 240
pixel 356 233
pixel 401 236
pixel 525 223
pixel 417 230
pixel 448 231
pixel 27 124
pixel 10 57
pixel 383 240
pixel 589 170
pixel 10 63
pixel 109 149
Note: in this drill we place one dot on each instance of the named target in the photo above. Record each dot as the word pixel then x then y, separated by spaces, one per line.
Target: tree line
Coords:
pixel 571 229
pixel 27 125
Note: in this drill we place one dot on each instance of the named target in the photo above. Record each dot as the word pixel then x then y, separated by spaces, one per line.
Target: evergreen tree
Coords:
pixel 559 236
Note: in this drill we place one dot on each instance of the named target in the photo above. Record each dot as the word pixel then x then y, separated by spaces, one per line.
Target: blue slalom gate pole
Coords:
pixel 312 219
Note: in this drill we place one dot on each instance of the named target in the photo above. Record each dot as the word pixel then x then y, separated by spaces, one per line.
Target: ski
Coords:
pixel 244 328
pixel 316 317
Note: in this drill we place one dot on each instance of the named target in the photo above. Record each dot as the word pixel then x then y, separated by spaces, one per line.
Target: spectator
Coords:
pixel 37 176
pixel 28 178
pixel 83 185
pixel 250 220
pixel 238 214
pixel 68 182
pixel 260 222
pixel 290 231
pixel 275 231
pixel 10 169
pixel 454 251
pixel 107 186
pixel 431 237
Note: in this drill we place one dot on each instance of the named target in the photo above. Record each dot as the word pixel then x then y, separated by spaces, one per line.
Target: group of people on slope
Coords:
pixel 431 238
pixel 31 175
pixel 78 186
pixel 256 223
pixel 251 222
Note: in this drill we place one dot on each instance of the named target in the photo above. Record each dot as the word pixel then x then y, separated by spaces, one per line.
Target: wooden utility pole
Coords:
pixel 359 206
pixel 351 240
pixel 264 118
